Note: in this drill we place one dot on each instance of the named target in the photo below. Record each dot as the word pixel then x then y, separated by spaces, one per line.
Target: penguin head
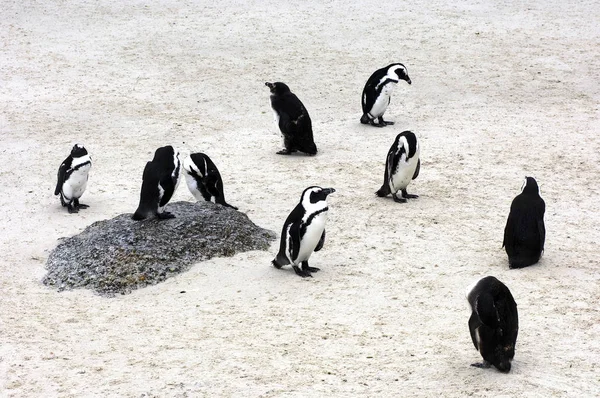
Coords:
pixel 314 196
pixel 78 151
pixel 502 358
pixel 278 88
pixel 400 71
pixel 530 186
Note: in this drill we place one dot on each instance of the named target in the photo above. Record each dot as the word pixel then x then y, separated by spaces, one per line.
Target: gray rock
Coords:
pixel 120 255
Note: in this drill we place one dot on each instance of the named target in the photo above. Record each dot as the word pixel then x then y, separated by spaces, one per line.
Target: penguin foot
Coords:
pixel 72 209
pixel 314 269
pixel 482 365
pixel 82 206
pixel 165 215
pixel 388 123
pixel 399 200
pixel 301 272
pixel 408 195
pixel 379 124
pixel 284 152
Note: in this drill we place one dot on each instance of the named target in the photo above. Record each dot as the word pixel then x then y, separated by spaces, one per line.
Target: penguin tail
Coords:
pixel 382 192
pixel 365 119
pixel 276 264
pixel 138 215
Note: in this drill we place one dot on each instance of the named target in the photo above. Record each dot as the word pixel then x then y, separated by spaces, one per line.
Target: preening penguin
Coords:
pixel 377 92
pixel 402 165
pixel 494 322
pixel 160 180
pixel 525 232
pixel 292 119
pixel 73 178
pixel 304 231
pixel 204 180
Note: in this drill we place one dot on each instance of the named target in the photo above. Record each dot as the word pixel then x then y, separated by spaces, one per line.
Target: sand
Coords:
pixel 500 90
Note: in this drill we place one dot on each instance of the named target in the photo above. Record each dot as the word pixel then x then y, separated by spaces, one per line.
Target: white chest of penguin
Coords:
pixel 383 100
pixel 77 182
pixel 404 172
pixel 312 236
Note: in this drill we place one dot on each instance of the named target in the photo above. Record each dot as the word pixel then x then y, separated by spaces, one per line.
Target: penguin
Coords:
pixel 159 182
pixel 494 322
pixel 525 232
pixel 304 231
pixel 401 166
pixel 72 178
pixel 292 119
pixel 377 92
pixel 204 180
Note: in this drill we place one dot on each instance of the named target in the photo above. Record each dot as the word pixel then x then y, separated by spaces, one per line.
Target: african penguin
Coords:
pixel 159 182
pixel 377 92
pixel 204 180
pixel 401 166
pixel 73 178
pixel 494 322
pixel 304 231
pixel 525 233
pixel 292 119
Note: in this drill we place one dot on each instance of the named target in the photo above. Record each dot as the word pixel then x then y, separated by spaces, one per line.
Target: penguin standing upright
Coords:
pixel 304 231
pixel 292 119
pixel 494 322
pixel 204 180
pixel 377 92
pixel 160 180
pixel 525 232
pixel 401 167
pixel 73 176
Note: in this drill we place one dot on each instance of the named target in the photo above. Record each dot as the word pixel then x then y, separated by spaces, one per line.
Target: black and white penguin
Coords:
pixel 377 92
pixel 73 177
pixel 401 167
pixel 494 322
pixel 160 180
pixel 525 233
pixel 304 231
pixel 204 180
pixel 292 119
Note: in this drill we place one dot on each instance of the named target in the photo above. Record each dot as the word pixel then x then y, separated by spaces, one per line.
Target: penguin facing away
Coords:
pixel 304 231
pixel 494 323
pixel 292 119
pixel 72 178
pixel 401 167
pixel 377 93
pixel 159 182
pixel 525 232
pixel 204 180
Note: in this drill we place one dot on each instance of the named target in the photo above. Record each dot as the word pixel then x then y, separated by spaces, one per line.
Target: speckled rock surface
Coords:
pixel 119 255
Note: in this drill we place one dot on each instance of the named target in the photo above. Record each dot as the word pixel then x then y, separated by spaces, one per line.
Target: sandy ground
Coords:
pixel 500 90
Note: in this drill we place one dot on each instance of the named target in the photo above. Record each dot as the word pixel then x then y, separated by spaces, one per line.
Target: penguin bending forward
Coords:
pixel 160 180
pixel 204 180
pixel 494 323
pixel 292 119
pixel 73 178
pixel 401 167
pixel 377 92
pixel 304 231
pixel 525 232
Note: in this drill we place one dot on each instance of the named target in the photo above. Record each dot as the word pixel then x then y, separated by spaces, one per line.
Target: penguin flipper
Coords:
pixel 542 233
pixel 417 169
pixel 321 242
pixel 486 310
pixel 391 162
pixel 62 173
pixel 474 324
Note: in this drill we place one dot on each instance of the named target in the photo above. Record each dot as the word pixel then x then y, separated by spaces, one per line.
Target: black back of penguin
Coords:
pixel 159 182
pixel 204 180
pixel 293 120
pixel 525 231
pixel 494 322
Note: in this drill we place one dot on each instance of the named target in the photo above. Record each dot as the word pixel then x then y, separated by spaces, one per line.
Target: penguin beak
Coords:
pixel 408 80
pixel 270 85
pixel 328 191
